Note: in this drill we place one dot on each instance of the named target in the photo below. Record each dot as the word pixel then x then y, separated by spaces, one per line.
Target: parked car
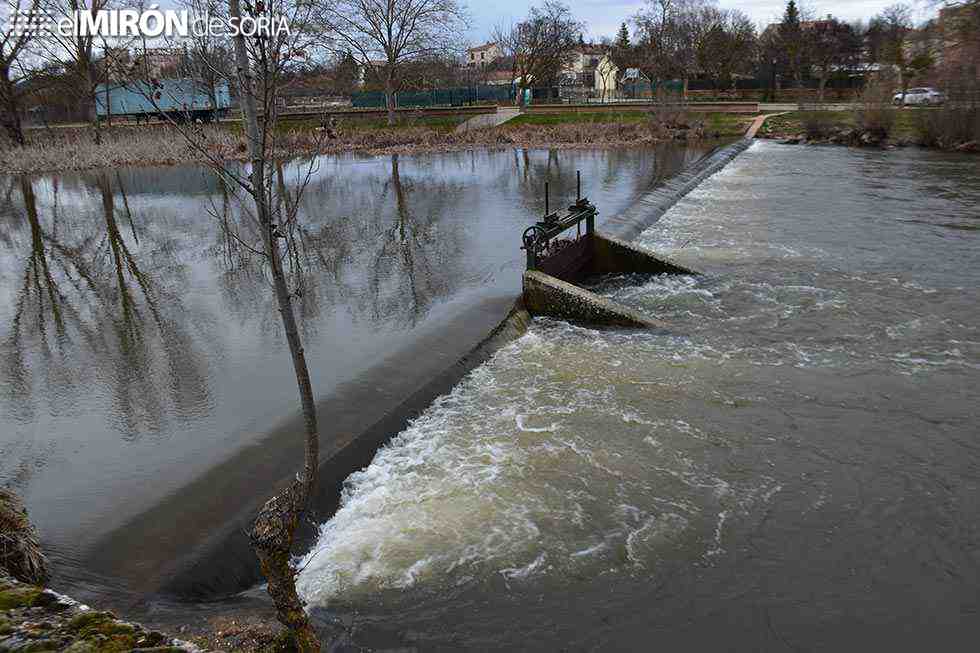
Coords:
pixel 920 96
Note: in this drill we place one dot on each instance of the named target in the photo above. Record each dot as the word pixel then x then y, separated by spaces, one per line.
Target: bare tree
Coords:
pixel 669 32
pixel 262 62
pixel 833 45
pixel 207 56
pixel 895 23
pixel 78 53
pixel 15 70
pixel 540 46
pixel 725 44
pixel 385 35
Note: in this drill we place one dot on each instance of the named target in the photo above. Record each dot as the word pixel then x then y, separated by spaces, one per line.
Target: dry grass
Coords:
pixel 74 149
pixel 20 550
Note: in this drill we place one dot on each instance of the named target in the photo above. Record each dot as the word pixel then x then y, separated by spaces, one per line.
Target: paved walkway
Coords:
pixel 487 120
pixel 757 123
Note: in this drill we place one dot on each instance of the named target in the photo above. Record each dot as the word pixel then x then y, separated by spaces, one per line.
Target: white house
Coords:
pixel 482 55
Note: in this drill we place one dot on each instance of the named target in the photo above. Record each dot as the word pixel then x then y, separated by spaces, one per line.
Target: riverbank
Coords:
pixel 33 618
pixel 129 145
pixel 910 127
pixel 228 624
pixel 36 619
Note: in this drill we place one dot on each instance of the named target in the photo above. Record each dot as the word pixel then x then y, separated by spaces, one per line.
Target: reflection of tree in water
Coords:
pixel 87 311
pixel 314 263
pixel 416 262
pixel 393 254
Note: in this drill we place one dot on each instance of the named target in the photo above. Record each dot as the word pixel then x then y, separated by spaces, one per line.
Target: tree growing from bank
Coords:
pixel 792 43
pixel 207 57
pixel 670 33
pixel 267 230
pixel 539 46
pixel 384 36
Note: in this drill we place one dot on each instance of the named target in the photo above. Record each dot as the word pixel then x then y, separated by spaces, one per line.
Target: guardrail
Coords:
pixel 301 113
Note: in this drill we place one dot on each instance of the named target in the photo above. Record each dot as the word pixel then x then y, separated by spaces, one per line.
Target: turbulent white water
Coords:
pixel 554 457
pixel 807 425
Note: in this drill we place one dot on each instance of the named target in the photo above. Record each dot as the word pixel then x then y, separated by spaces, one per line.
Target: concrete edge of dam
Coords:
pixel 553 290
pixel 225 564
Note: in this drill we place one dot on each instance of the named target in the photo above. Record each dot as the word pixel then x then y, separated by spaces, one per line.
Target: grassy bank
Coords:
pixel 723 124
pixel 160 144
pixel 955 128
pixel 801 122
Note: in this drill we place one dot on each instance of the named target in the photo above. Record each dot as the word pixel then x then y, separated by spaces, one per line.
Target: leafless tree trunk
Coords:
pixel 390 98
pixel 10 111
pixel 14 70
pixel 77 52
pixel 275 526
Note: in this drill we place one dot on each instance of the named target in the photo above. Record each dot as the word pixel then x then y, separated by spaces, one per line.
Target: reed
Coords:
pixel 20 550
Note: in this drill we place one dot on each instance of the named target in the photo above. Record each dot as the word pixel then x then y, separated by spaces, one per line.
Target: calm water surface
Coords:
pixel 140 346
pixel 794 467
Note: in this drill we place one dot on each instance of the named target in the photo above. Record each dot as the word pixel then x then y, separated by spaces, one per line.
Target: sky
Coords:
pixel 603 17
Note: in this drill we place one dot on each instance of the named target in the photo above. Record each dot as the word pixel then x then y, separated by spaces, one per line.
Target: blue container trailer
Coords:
pixel 179 99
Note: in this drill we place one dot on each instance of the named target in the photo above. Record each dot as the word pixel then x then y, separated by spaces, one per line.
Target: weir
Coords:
pixel 222 563
pixel 557 264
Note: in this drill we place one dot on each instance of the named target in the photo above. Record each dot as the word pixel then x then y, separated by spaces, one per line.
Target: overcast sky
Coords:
pixel 603 17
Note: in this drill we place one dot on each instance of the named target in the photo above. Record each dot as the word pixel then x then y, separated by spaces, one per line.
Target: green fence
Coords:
pixel 637 89
pixel 455 97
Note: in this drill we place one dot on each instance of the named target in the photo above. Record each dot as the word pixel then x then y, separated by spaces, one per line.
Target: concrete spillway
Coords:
pixel 224 564
pixel 552 290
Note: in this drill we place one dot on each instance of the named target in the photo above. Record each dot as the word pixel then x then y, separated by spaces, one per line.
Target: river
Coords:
pixel 147 394
pixel 794 466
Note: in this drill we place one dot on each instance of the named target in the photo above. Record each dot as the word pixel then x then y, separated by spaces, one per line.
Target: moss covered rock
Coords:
pixel 18 596
pixel 35 619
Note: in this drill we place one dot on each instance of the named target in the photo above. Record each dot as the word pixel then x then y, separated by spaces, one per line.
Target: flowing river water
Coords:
pixel 794 465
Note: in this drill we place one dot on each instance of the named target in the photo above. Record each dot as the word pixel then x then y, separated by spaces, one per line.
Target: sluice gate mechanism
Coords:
pixel 558 263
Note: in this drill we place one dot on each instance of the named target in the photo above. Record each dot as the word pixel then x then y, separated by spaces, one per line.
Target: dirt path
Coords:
pixel 488 120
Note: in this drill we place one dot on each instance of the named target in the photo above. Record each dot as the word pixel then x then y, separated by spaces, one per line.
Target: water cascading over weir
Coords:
pixel 223 564
pixel 556 264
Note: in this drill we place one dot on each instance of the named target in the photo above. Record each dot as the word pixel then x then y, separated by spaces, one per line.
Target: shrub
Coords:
pixel 876 114
pixel 817 125
pixel 957 121
pixel 669 110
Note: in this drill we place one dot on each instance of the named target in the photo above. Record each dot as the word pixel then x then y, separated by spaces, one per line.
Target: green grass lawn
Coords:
pixel 578 117
pixel 906 121
pixel 353 122
pixel 438 123
pixel 726 124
